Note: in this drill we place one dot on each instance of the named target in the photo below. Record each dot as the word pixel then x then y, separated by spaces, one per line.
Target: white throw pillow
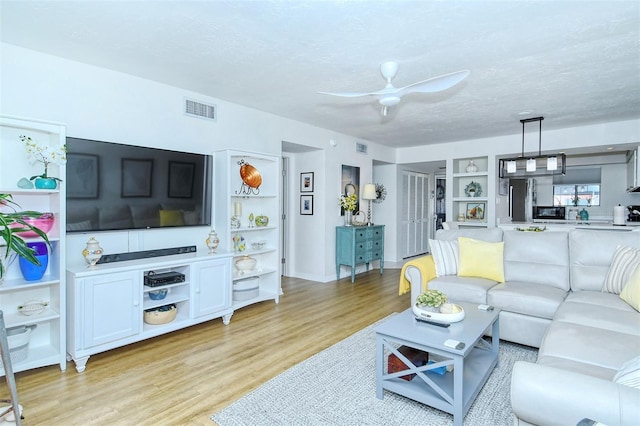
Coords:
pixel 625 261
pixel 629 373
pixel 445 256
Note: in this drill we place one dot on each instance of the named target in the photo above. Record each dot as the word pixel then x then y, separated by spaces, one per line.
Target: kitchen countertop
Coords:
pixel 563 225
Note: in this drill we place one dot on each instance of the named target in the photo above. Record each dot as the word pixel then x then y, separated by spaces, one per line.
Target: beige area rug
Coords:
pixel 337 387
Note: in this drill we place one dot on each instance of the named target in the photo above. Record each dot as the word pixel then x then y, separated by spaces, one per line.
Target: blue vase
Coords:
pixel 46 183
pixel 32 272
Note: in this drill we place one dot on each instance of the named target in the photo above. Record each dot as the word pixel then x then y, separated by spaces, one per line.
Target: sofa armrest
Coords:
pixel 417 272
pixel 547 395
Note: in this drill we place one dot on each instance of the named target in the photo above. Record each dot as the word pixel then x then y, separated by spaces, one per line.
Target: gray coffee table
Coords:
pixel 452 392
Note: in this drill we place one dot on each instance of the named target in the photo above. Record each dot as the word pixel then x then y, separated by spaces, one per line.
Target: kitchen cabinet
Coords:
pixel 633 182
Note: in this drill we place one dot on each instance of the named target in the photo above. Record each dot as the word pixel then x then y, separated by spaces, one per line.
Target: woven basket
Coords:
pixel 250 175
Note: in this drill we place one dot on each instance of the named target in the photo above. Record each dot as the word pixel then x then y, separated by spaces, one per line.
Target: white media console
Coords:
pixel 106 303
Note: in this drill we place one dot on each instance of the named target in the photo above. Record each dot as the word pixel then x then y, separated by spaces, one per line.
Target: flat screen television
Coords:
pixel 113 186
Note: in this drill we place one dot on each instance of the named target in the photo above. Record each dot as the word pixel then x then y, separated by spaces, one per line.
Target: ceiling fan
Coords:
pixel 391 95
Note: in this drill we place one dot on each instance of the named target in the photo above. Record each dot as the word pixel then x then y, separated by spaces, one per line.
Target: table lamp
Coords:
pixel 369 194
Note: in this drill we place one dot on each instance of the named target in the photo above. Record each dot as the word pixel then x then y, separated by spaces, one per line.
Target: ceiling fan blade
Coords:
pixel 435 84
pixel 346 94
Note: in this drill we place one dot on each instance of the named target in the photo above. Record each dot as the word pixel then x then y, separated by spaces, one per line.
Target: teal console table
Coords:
pixel 359 244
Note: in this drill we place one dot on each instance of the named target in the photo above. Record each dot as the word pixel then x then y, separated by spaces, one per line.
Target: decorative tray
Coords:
pixel 449 312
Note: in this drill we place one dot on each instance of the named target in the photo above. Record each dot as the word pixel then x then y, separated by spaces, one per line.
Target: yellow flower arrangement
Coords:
pixel 348 202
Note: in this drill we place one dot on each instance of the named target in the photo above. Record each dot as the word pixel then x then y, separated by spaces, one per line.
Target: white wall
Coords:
pixel 101 104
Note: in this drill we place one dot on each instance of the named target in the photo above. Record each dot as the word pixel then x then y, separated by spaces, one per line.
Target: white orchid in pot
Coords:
pixel 45 154
pixel 13 222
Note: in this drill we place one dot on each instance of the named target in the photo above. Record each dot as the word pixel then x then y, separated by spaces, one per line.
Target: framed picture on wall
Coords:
pixel 136 178
pixel 306 204
pixel 306 182
pixel 350 184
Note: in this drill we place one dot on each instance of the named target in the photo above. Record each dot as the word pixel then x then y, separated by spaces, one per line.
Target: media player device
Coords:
pixel 152 279
pixel 119 257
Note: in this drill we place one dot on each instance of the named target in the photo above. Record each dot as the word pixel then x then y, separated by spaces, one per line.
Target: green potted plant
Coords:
pixel 431 299
pixel 12 222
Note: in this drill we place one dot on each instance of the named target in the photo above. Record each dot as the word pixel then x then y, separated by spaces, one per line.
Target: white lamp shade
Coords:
pixel 552 163
pixel 369 192
pixel 531 165
pixel 511 166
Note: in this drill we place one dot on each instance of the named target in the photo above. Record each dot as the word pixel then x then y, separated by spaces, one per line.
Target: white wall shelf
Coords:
pixel 47 340
pixel 266 202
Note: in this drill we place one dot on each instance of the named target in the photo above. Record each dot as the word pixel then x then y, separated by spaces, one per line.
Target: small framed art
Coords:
pixel 475 211
pixel 306 182
pixel 306 204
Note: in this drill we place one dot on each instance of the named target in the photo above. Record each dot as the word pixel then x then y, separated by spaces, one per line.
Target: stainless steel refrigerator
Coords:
pixel 522 198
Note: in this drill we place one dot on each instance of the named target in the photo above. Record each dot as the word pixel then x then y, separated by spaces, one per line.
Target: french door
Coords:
pixel 414 213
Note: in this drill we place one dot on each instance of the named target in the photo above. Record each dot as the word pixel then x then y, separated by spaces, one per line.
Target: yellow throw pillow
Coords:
pixel 631 291
pixel 171 218
pixel 480 259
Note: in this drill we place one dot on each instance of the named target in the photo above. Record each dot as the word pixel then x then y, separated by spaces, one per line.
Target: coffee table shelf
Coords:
pixel 452 392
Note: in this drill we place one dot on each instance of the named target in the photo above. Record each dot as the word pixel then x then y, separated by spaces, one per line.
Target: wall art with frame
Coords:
pixel 475 211
pixel 306 204
pixel 306 182
pixel 350 184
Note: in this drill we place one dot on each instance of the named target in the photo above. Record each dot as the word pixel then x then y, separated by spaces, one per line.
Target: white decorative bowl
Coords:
pixel 449 312
pixel 246 264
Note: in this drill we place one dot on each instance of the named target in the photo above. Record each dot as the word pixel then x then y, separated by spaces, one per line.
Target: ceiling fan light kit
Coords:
pixel 539 165
pixel 391 95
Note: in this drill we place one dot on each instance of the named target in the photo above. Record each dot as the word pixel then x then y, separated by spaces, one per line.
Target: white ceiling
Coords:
pixel 573 62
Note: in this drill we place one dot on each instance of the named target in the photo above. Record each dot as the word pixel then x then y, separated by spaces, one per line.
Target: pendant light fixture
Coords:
pixel 537 165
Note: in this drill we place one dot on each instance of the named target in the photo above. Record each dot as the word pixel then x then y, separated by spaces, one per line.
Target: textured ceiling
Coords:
pixel 573 62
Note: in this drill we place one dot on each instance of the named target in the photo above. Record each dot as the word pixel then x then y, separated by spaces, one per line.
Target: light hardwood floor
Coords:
pixel 183 377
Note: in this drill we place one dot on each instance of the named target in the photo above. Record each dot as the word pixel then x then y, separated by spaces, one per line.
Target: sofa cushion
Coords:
pixel 526 298
pixel 631 291
pixel 481 259
pixel 608 300
pixel 591 253
pixel 625 261
pixel 629 373
pixel 463 289
pixel 604 349
pixel 445 256
pixel 492 235
pixel 537 257
pixel 599 316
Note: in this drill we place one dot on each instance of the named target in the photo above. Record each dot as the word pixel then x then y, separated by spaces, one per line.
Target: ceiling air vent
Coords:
pixel 361 148
pixel 200 110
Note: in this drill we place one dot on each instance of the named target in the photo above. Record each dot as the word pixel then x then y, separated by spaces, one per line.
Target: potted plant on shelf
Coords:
pixel 11 223
pixel 45 154
pixel 431 300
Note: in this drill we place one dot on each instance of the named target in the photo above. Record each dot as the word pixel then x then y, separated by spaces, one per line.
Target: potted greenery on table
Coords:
pixel 11 223
pixel 431 300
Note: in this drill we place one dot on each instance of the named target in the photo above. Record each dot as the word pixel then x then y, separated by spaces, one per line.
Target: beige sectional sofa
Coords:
pixel 552 298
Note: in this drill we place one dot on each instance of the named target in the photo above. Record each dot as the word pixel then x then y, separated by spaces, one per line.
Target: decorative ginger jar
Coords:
pixel 92 252
pixel 471 167
pixel 212 241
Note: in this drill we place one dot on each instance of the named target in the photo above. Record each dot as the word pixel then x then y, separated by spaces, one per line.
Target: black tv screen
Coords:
pixel 114 186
